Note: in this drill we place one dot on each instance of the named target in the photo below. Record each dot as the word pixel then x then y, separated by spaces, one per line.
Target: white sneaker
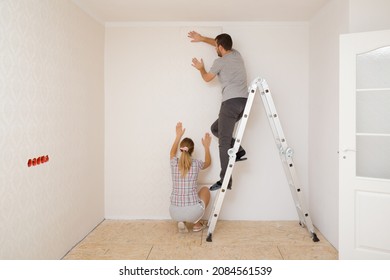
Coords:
pixel 182 227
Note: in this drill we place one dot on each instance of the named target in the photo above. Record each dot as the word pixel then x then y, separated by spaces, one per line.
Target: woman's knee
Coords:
pixel 204 189
pixel 204 194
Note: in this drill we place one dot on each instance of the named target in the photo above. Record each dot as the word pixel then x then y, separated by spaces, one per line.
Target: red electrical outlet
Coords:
pixel 37 161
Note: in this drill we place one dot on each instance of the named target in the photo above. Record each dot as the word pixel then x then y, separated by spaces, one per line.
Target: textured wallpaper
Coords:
pixel 51 103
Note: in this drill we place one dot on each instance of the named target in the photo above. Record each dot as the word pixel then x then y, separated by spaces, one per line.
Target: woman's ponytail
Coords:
pixel 185 160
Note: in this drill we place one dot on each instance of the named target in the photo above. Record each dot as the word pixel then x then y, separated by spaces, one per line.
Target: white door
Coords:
pixel 364 196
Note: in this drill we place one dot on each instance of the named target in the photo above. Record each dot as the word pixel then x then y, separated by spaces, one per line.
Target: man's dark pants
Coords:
pixel 231 112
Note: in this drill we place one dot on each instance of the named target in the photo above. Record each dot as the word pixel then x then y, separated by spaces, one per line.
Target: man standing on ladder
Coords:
pixel 231 73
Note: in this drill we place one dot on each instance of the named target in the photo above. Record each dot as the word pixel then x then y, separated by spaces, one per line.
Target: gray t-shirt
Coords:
pixel 232 75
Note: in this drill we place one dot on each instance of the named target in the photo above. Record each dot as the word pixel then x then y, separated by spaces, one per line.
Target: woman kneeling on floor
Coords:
pixel 187 203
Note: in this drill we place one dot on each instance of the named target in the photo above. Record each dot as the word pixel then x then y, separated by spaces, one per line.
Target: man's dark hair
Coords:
pixel 225 41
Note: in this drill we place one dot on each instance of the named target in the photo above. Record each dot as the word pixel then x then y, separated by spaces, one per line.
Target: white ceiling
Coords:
pixel 200 10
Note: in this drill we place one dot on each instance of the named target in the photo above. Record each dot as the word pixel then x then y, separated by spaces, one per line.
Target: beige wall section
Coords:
pixel 369 15
pixel 52 103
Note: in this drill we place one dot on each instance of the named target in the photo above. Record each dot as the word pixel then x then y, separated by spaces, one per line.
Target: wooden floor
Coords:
pixel 160 240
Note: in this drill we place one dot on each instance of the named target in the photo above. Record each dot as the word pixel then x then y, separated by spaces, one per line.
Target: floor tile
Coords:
pixel 231 240
pixel 214 252
pixel 308 252
pixel 109 251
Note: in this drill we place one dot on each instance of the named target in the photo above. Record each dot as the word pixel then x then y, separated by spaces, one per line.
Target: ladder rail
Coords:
pixel 272 115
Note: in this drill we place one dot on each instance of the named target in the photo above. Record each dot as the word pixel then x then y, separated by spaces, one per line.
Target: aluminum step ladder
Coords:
pixel 286 156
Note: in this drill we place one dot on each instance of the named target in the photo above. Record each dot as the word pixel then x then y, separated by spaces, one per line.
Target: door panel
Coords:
pixel 373 111
pixel 373 69
pixel 371 229
pixel 373 157
pixel 364 169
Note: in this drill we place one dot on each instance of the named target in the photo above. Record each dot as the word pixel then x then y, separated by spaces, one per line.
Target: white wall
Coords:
pixel 150 85
pixel 51 92
pixel 369 15
pixel 325 28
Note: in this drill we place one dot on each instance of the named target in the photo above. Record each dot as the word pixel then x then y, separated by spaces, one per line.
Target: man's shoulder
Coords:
pixel 236 52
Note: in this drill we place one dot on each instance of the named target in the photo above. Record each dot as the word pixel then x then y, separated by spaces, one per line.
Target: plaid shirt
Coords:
pixel 184 191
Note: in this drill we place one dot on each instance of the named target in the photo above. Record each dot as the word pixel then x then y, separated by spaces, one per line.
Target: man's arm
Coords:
pixel 207 76
pixel 196 37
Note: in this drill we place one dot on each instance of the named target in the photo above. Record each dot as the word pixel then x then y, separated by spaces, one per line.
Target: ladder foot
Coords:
pixel 209 237
pixel 314 237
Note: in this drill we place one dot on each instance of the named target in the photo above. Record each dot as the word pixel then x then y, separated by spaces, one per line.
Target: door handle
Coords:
pixel 346 151
pixel 349 150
